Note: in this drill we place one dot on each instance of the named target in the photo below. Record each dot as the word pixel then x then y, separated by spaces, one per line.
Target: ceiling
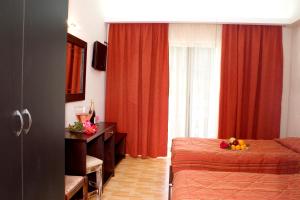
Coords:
pixel 202 11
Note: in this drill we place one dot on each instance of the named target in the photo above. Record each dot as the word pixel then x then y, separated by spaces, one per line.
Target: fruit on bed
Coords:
pixel 224 145
pixel 237 147
pixel 233 141
pixel 233 144
pixel 241 142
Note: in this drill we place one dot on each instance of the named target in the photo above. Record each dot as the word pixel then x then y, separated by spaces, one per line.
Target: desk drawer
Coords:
pixel 109 133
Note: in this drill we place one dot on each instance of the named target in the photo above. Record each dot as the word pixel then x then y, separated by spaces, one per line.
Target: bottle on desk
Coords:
pixel 92 112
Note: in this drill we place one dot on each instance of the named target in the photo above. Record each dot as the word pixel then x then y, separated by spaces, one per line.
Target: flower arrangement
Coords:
pixel 85 127
pixel 234 144
pixel 89 128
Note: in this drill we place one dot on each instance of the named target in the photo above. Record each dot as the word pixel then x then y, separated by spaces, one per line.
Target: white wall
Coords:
pixel 287 62
pixel 203 11
pixel 290 115
pixel 293 122
pixel 88 17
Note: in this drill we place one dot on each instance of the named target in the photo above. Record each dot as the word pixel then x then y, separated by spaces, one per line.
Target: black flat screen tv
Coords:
pixel 99 56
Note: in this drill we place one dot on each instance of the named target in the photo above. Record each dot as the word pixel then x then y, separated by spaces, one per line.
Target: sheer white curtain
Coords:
pixel 195 54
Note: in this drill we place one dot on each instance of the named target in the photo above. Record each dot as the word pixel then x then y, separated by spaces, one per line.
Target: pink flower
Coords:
pixel 89 128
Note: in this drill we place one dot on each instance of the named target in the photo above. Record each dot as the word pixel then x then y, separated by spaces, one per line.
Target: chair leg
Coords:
pixel 170 192
pixel 85 188
pixel 171 175
pixel 99 181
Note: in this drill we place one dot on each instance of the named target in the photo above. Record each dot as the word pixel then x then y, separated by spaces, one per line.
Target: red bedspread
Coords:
pixel 208 185
pixel 263 156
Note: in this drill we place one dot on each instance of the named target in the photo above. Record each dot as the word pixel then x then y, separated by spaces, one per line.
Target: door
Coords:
pixel 11 14
pixel 44 97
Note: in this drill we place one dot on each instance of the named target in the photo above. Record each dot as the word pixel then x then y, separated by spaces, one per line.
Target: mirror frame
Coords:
pixel 78 42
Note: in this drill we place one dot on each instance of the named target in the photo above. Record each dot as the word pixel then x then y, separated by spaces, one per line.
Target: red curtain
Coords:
pixel 251 82
pixel 137 86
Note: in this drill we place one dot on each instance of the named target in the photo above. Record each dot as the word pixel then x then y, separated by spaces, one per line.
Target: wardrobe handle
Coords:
pixel 26 112
pixel 17 113
pixel 110 132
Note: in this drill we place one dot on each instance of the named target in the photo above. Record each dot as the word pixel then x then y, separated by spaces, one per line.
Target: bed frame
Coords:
pixel 170 182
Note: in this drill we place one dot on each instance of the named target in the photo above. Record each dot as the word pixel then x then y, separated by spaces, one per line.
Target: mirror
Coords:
pixel 75 68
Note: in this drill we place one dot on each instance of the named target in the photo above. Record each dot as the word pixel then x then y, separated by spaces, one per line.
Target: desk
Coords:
pixel 100 145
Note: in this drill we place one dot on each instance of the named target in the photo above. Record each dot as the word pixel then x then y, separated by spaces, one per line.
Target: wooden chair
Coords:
pixel 73 185
pixel 94 165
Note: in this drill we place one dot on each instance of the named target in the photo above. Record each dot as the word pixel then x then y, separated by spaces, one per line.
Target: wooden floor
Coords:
pixel 139 179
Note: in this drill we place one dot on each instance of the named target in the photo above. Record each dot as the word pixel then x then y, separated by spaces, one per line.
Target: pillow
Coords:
pixel 292 143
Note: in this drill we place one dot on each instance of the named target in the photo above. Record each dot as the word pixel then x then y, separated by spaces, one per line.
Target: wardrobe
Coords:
pixel 32 100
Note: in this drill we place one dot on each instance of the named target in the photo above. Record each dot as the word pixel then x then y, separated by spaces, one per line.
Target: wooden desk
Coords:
pixel 100 145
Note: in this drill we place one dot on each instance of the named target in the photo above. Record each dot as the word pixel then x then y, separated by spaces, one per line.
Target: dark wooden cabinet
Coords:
pixel 109 154
pixel 32 77
pixel 120 147
pixel 10 100
pixel 100 145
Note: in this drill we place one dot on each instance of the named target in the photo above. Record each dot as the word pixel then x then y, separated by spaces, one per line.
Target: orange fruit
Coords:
pixel 241 142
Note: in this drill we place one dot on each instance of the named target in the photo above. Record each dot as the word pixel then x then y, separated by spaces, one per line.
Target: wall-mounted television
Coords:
pixel 99 56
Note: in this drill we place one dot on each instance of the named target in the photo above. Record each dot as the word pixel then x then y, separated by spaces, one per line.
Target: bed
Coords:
pixel 279 156
pixel 212 185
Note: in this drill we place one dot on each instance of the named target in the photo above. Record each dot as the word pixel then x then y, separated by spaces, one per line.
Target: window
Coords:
pixel 194 81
